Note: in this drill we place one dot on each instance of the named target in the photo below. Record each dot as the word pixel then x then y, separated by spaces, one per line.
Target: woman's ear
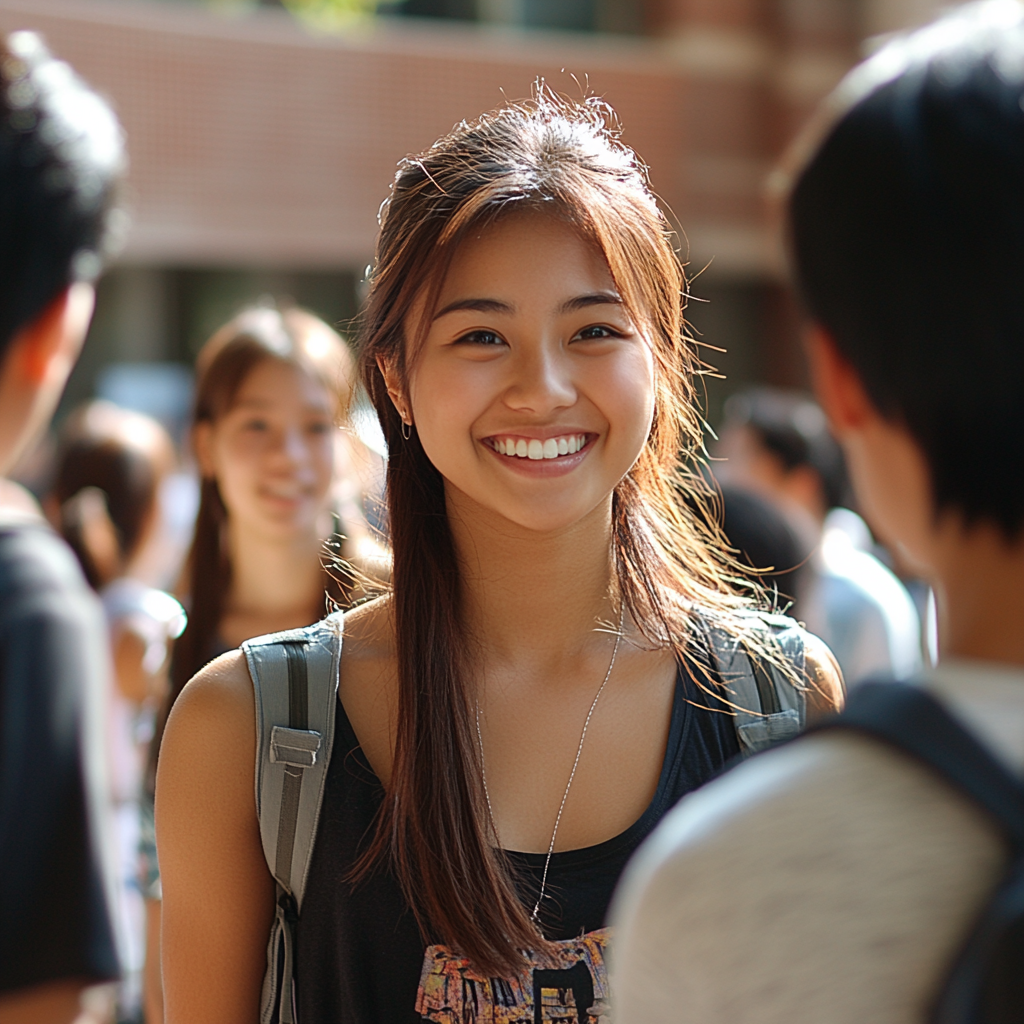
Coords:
pixel 395 390
pixel 202 445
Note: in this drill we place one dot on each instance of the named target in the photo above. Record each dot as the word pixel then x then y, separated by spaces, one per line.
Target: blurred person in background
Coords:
pixel 778 444
pixel 849 876
pixel 61 155
pixel 111 464
pixel 767 543
pixel 271 387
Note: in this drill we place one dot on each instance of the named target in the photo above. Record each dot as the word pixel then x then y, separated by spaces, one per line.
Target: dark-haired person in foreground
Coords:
pixel 835 880
pixel 61 154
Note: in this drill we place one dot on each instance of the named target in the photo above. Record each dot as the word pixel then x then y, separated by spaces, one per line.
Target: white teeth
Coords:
pixel 535 449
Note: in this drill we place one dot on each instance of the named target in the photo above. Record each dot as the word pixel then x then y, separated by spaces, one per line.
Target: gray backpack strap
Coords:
pixel 295 681
pixel 769 704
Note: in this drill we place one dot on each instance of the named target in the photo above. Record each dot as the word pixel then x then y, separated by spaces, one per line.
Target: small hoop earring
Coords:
pixel 406 430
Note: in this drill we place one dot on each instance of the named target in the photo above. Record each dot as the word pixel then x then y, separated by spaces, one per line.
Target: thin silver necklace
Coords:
pixel 572 774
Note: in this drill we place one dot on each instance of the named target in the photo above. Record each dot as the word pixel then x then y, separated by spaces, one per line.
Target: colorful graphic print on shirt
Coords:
pixel 570 987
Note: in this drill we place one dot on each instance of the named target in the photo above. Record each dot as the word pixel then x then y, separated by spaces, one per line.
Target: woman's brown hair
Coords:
pixel 565 159
pixel 292 337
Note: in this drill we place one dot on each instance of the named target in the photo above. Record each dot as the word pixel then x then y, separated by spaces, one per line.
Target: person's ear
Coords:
pixel 202 445
pixel 395 391
pixel 47 348
pixel 837 385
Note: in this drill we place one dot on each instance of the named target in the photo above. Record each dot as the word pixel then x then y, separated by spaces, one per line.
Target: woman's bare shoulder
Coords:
pixel 826 692
pixel 369 633
pixel 215 710
pixel 223 687
pixel 368 685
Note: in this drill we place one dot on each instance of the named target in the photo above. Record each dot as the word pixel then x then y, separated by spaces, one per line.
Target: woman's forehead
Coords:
pixel 275 381
pixel 521 257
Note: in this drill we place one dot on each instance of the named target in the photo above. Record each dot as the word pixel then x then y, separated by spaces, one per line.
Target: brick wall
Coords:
pixel 253 141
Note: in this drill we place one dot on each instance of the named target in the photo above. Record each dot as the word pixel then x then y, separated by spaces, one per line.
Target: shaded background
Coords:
pixel 263 137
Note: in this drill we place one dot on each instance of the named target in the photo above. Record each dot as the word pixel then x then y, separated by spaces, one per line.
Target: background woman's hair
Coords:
pixel 292 337
pixel 61 157
pixel 109 464
pixel 565 159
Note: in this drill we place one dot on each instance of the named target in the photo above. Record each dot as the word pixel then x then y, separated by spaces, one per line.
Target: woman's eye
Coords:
pixel 480 338
pixel 256 425
pixel 597 332
pixel 319 427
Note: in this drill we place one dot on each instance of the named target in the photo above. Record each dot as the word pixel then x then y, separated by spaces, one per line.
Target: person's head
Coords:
pixel 765 541
pixel 61 156
pixel 104 498
pixel 907 234
pixel 271 386
pixel 524 346
pixel 778 442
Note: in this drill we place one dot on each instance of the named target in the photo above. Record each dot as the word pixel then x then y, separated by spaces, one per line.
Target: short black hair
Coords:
pixel 61 157
pixel 907 233
pixel 764 540
pixel 793 428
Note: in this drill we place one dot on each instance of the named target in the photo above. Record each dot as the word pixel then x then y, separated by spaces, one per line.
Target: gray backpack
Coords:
pixel 295 679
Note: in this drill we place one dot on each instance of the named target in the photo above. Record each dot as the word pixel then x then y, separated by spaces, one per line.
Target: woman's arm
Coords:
pixel 826 692
pixel 218 895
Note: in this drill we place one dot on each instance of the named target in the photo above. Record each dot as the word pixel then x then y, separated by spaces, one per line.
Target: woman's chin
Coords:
pixel 538 518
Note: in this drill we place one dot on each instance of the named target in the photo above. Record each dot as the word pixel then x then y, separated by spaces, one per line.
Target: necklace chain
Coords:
pixel 572 774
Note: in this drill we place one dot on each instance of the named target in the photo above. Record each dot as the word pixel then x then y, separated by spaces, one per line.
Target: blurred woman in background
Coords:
pixel 105 502
pixel 271 387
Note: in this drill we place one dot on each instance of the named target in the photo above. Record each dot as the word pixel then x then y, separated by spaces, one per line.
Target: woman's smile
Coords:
pixel 541 457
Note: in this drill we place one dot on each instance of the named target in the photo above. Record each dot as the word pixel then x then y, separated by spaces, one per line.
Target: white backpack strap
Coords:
pixel 769 705
pixel 295 681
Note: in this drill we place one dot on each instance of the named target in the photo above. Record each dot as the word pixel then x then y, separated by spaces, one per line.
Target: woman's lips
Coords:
pixel 552 456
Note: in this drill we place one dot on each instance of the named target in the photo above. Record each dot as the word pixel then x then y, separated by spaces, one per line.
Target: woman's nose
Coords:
pixel 293 446
pixel 542 382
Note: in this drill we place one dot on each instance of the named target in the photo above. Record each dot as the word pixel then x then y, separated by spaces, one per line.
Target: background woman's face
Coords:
pixel 533 393
pixel 272 452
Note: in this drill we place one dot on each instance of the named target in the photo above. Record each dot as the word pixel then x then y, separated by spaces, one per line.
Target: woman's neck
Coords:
pixel 530 595
pixel 274 575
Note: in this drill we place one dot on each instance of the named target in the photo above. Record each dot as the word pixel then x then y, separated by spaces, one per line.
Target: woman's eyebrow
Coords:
pixel 594 299
pixel 479 305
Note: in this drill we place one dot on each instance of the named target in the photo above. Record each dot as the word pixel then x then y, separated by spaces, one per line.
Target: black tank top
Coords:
pixel 360 958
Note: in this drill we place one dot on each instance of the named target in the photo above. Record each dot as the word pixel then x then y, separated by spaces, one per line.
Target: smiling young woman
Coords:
pixel 536 690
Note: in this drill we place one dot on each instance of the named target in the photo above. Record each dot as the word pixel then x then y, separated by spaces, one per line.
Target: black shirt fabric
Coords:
pixel 359 955
pixel 54 671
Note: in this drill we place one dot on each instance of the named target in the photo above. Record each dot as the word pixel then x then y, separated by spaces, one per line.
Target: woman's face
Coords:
pixel 533 393
pixel 272 452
